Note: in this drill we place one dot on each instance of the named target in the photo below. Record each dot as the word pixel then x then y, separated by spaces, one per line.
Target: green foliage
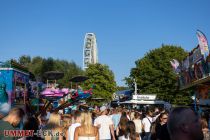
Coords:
pixel 70 70
pixel 38 66
pixel 24 60
pixel 154 74
pixel 103 79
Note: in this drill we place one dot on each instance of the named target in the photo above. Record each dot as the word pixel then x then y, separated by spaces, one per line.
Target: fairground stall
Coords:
pixel 49 97
pixel 14 79
pixel 140 101
pixel 194 73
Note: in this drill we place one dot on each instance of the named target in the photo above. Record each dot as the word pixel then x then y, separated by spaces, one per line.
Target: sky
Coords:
pixel 125 29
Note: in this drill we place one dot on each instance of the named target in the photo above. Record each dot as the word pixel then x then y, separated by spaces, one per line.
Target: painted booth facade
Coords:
pixel 13 82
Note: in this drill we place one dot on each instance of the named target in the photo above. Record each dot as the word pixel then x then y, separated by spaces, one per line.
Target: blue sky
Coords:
pixel 125 29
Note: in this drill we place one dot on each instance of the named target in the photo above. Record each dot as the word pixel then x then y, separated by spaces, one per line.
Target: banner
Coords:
pixel 176 66
pixel 203 44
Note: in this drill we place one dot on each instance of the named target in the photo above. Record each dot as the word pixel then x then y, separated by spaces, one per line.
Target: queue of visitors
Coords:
pixel 181 123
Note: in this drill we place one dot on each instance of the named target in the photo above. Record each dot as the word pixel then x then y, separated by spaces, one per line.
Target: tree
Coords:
pixel 154 74
pixel 103 79
pixel 25 60
pixel 47 65
pixel 38 66
pixel 70 70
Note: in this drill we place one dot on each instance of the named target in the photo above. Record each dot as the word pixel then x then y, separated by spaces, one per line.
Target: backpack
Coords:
pixel 152 126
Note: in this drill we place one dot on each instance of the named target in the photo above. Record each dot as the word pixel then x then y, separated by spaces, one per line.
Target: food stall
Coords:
pixel 16 79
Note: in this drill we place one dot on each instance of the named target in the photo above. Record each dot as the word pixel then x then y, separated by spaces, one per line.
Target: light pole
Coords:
pixel 135 87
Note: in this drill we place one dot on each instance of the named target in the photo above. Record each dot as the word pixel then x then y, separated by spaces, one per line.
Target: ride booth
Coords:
pixel 194 73
pixel 14 79
pixel 76 96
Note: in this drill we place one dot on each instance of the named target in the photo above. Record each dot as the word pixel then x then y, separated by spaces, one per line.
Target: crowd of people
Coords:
pixel 181 123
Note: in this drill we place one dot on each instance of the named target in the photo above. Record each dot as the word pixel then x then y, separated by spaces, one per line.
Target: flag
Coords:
pixel 175 65
pixel 203 44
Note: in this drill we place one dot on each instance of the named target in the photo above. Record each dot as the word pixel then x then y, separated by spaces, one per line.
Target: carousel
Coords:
pixel 77 94
pixel 55 99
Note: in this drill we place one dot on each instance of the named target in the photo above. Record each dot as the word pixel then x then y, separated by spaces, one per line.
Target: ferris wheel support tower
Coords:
pixel 90 51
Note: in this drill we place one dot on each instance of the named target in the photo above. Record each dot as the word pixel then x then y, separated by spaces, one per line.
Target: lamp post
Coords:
pixel 135 86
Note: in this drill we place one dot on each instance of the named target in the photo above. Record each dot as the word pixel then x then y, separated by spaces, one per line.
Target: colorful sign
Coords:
pixel 20 77
pixel 203 44
pixel 9 76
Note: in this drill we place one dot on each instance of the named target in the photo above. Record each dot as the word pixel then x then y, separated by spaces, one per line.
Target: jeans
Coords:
pixel 147 136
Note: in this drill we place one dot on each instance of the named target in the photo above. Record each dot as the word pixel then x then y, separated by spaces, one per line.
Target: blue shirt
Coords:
pixel 116 120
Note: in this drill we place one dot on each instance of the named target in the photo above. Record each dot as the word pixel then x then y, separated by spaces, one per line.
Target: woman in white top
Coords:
pixel 86 131
pixel 138 123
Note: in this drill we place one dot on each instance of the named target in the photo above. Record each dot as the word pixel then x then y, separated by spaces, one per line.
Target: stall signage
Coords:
pixel 20 78
pixel 144 97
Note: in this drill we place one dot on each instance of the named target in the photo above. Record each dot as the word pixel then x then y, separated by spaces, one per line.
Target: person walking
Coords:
pixel 147 122
pixel 120 131
pixel 159 129
pixel 71 130
pixel 184 124
pixel 105 125
pixel 130 132
pixel 205 129
pixel 53 129
pixel 86 131
pixel 10 122
pixel 138 123
pixel 116 119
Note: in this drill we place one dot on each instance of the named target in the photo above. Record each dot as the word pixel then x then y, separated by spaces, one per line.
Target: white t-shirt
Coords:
pixel 72 130
pixel 104 131
pixel 147 123
pixel 138 125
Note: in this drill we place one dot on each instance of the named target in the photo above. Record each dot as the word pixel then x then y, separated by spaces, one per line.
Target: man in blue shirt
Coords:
pixel 116 119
